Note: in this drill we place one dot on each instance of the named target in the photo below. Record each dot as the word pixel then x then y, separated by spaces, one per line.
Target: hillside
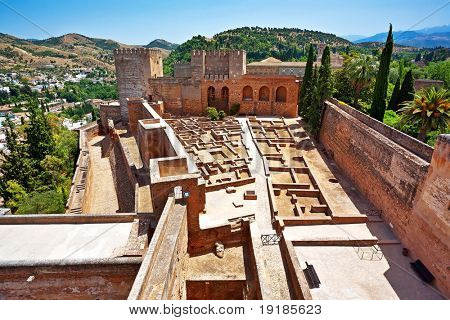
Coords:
pixel 70 50
pixel 287 44
pixel 162 44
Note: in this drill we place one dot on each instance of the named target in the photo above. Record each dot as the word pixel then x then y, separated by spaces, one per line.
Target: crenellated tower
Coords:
pixel 134 68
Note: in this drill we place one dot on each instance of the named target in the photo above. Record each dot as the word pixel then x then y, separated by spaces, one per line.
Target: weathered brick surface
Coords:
pixel 109 111
pixel 134 66
pixel 398 183
pixel 60 282
pixel 187 94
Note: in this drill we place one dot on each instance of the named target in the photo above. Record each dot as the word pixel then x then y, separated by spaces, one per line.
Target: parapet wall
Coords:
pixel 390 170
pixel 123 176
pixel 78 280
pixel 80 180
pixel 415 146
pixel 160 276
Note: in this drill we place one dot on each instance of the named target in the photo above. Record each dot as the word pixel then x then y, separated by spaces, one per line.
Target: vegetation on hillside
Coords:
pixel 86 89
pixel 36 171
pixel 287 44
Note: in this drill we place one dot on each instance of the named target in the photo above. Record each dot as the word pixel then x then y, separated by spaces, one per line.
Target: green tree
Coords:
pixel 361 72
pixel 393 102
pixel 418 57
pixel 401 68
pixel 407 90
pixel 15 165
pixel 325 81
pixel 378 106
pixel 48 202
pixel 429 110
pixel 306 83
pixel 38 134
pixel 313 104
pixel 212 113
pixel 16 194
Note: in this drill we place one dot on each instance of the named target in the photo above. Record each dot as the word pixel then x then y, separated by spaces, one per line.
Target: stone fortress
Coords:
pixel 167 204
pixel 215 78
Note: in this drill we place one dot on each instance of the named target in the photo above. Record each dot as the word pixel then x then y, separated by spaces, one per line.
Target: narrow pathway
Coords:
pixel 269 259
pixel 102 197
pixel 262 215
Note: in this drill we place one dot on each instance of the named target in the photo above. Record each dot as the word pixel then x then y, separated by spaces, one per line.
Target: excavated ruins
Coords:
pixel 182 207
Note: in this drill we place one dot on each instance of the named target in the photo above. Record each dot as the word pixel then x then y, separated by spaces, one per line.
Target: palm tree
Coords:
pixel 361 71
pixel 429 110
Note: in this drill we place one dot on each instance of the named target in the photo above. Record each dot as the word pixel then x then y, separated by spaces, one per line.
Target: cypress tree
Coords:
pixel 313 103
pixel 311 95
pixel 378 106
pixel 394 97
pixel 407 91
pixel 306 81
pixel 401 69
pixel 325 86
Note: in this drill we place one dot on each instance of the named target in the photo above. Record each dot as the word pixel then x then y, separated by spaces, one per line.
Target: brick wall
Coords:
pixel 396 180
pixel 161 275
pixel 123 177
pixel 134 66
pixel 105 280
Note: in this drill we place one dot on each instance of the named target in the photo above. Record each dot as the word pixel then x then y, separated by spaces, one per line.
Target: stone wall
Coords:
pixel 429 232
pixel 161 275
pixel 109 111
pixel 134 66
pixel 80 181
pixel 81 280
pixel 396 180
pixel 183 97
pixel 215 289
pixel 123 176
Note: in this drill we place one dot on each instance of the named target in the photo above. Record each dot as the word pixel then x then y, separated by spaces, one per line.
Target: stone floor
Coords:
pixel 101 198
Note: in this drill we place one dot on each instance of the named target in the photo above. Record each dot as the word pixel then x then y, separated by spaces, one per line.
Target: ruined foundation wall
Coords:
pixel 392 178
pixel 82 281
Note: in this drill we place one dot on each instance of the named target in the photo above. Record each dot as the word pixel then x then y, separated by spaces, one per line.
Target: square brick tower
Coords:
pixel 134 68
pixel 237 63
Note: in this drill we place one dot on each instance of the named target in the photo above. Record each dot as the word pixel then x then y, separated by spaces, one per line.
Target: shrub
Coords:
pixel 222 114
pixel 234 110
pixel 212 113
pixel 48 202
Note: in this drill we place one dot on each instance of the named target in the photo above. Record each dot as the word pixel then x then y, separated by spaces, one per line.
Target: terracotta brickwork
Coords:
pixel 217 79
pixel 410 193
pixel 66 281
pixel 133 69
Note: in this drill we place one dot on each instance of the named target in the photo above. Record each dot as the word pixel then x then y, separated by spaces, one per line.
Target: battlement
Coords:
pixel 218 53
pixel 136 51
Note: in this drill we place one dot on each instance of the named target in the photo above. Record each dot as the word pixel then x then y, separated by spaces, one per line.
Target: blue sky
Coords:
pixel 140 21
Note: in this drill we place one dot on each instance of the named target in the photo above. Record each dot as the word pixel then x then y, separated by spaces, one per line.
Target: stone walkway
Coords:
pixel 102 193
pixel 269 260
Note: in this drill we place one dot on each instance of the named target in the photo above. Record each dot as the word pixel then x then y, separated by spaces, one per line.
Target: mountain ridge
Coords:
pixel 423 38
